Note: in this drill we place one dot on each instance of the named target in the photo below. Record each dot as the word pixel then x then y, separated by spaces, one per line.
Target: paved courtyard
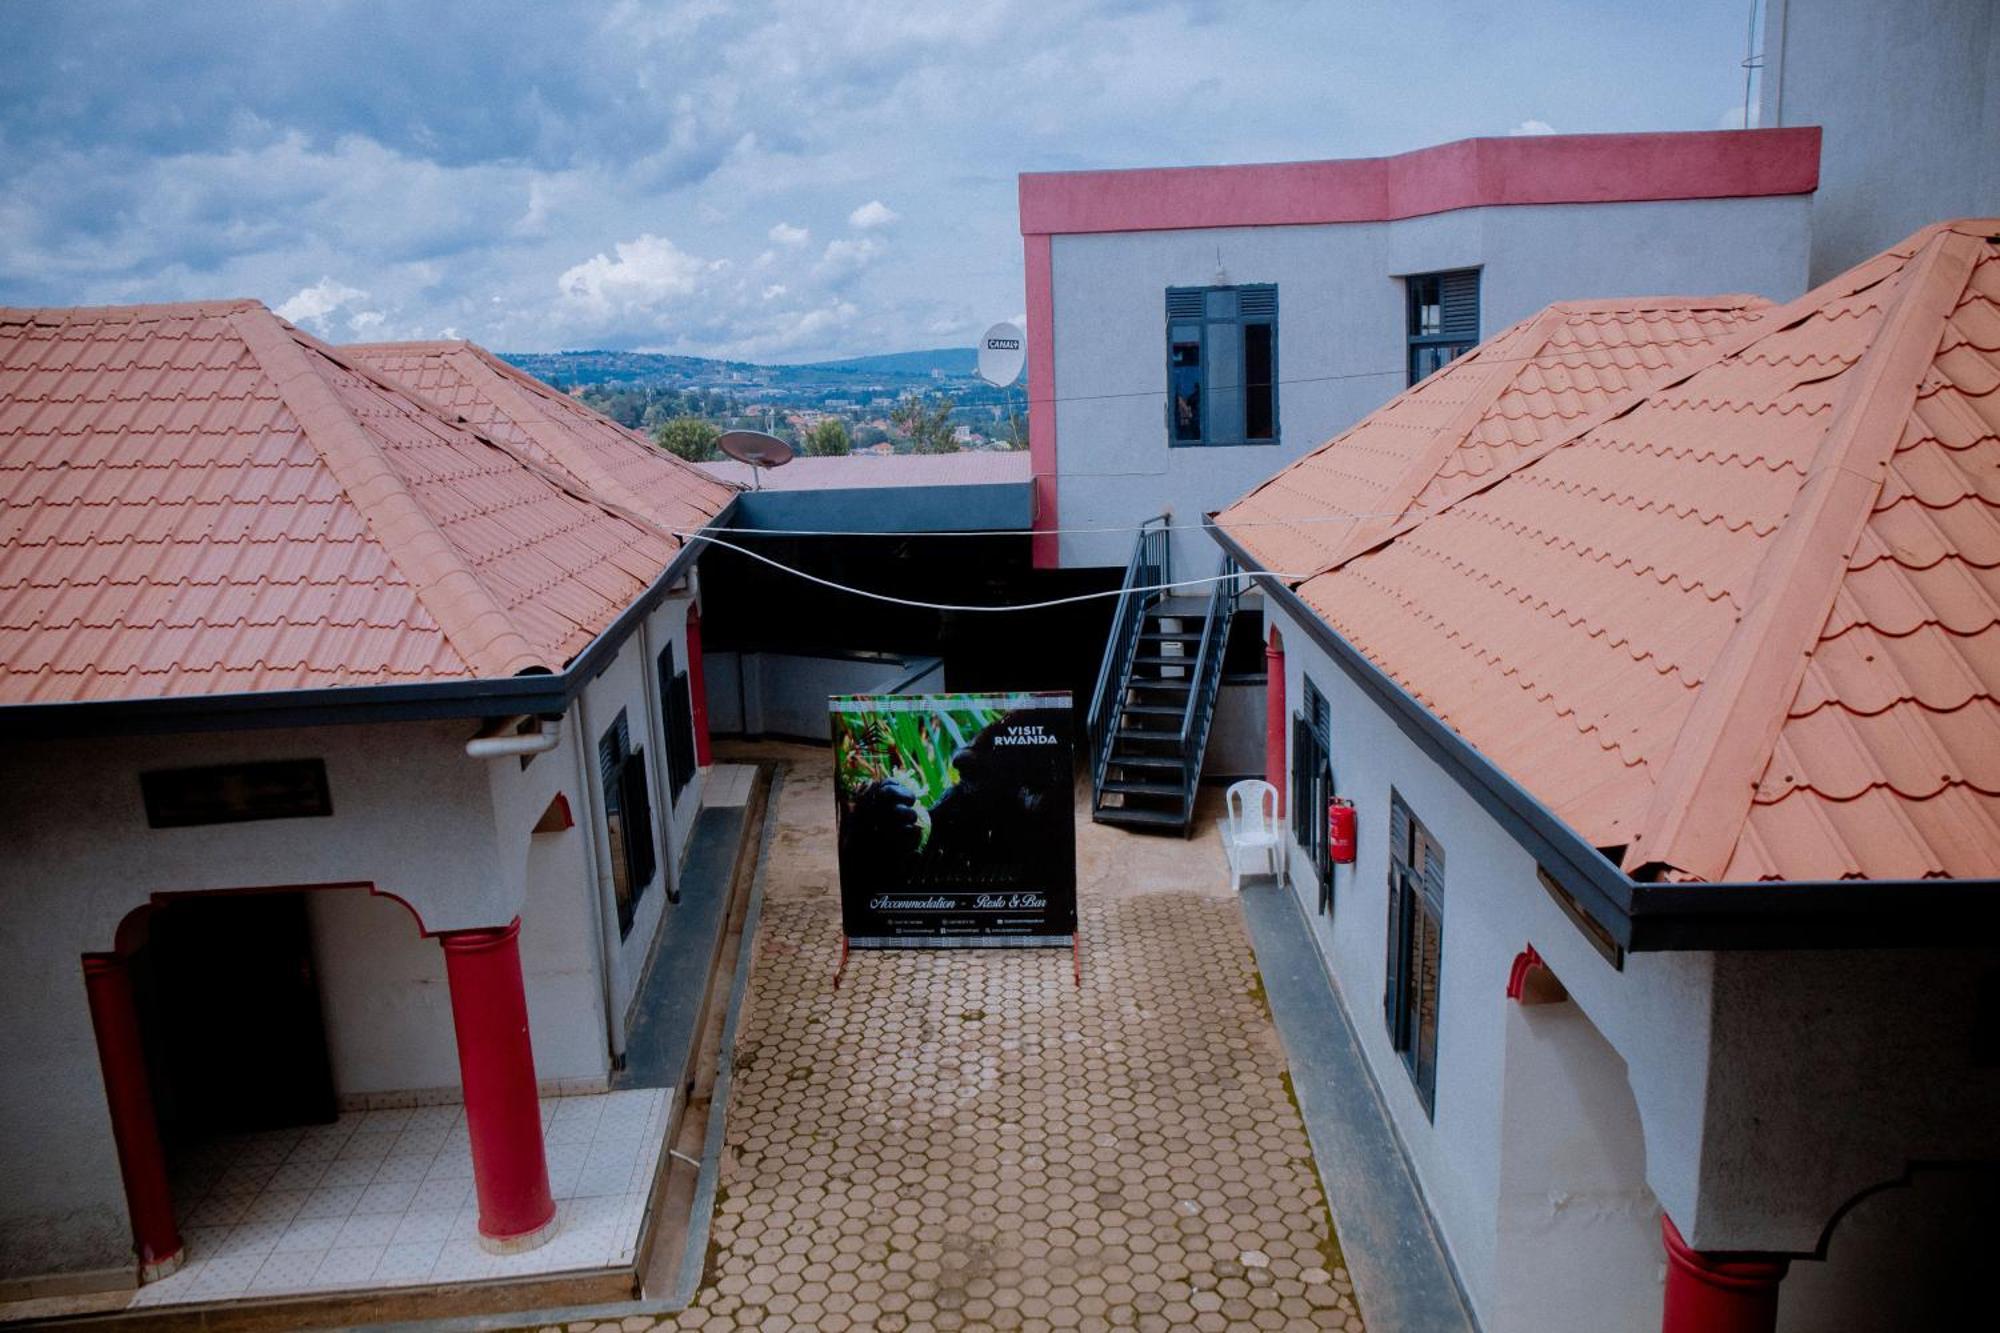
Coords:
pixel 967 1140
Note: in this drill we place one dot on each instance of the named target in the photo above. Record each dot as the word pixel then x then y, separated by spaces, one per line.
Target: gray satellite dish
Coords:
pixel 754 447
pixel 1002 351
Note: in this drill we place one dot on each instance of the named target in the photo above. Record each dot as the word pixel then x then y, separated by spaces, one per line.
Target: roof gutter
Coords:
pixel 1644 918
pixel 532 693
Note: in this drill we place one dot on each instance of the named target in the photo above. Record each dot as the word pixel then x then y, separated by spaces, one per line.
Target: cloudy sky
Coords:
pixel 761 179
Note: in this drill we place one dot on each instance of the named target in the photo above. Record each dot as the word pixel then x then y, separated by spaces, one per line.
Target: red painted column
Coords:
pixel 1274 716
pixel 134 1126
pixel 489 1010
pixel 1711 1294
pixel 697 691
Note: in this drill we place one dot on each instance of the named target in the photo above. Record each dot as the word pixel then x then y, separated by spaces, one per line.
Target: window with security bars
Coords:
pixel 1312 788
pixel 1416 947
pixel 677 716
pixel 1222 365
pixel 628 818
pixel 1444 318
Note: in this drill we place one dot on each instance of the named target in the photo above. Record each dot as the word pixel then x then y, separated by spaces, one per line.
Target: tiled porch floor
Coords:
pixel 384 1199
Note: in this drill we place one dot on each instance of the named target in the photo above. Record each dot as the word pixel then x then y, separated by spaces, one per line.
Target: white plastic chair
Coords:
pixel 1250 828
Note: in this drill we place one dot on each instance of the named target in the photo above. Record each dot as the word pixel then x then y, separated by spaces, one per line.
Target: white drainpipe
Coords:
pixel 503 739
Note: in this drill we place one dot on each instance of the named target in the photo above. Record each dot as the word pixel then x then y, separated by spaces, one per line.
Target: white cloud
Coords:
pixel 361 321
pixel 1533 127
pixel 645 273
pixel 774 291
pixel 844 258
pixel 874 213
pixel 310 305
pixel 784 233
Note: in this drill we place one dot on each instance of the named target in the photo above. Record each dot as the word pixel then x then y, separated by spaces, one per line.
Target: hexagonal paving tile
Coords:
pixel 965 1139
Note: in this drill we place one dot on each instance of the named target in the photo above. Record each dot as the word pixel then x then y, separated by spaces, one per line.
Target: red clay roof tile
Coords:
pixel 201 498
pixel 1746 625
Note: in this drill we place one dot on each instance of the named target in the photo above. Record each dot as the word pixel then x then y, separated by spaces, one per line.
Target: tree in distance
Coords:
pixel 926 420
pixel 829 439
pixel 690 437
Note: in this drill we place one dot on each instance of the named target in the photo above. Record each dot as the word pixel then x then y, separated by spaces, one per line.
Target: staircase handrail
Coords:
pixel 1205 680
pixel 1150 566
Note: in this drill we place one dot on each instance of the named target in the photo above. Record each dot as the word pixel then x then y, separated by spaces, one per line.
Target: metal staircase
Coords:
pixel 1156 692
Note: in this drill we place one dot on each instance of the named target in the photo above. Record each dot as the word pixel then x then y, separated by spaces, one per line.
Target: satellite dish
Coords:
pixel 756 448
pixel 1002 351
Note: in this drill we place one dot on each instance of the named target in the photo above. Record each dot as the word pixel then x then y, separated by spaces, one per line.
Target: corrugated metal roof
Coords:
pixel 480 390
pixel 1747 624
pixel 200 498
pixel 1437 440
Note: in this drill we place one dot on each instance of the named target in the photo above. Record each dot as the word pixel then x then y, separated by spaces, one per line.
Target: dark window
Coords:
pixel 628 818
pixel 1312 787
pixel 1416 947
pixel 1222 365
pixel 1444 318
pixel 235 793
pixel 677 715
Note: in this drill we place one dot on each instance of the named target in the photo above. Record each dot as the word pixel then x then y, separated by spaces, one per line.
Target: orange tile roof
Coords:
pixel 476 387
pixel 1746 625
pixel 1439 439
pixel 200 498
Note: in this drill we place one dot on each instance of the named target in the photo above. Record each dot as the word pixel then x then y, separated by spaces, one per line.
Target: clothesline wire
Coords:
pixel 1044 605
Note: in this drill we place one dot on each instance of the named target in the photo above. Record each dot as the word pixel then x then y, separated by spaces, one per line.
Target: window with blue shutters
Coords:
pixel 1222 365
pixel 628 818
pixel 677 716
pixel 1443 317
pixel 1416 947
pixel 1312 788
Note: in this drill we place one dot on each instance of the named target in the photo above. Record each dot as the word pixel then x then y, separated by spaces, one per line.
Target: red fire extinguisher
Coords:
pixel 1340 831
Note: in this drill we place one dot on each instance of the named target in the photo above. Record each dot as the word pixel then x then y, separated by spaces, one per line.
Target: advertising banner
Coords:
pixel 957 819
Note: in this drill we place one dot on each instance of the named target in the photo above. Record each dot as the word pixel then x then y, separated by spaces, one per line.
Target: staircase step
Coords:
pixel 1160 761
pixel 1126 787
pixel 1162 820
pixel 1153 710
pixel 1180 684
pixel 1151 737
pixel 1179 608
pixel 1161 659
pixel 1173 635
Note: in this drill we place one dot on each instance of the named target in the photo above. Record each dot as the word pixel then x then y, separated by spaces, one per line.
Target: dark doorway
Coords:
pixel 232 1018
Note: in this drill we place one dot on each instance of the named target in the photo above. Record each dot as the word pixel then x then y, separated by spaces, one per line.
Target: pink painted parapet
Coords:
pixel 1471 173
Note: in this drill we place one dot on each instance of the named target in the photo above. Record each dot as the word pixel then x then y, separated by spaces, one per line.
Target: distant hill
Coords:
pixel 893 370
pixel 951 362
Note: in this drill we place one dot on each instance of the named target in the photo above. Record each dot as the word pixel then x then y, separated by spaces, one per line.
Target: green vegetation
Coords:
pixel 926 419
pixel 693 438
pixel 829 438
pixel 913 748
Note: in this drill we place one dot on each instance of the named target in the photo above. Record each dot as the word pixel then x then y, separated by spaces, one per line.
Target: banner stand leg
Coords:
pixel 841 971
pixel 1076 959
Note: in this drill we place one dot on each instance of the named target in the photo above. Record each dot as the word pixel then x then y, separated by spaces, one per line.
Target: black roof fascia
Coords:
pixel 1658 917
pixel 545 692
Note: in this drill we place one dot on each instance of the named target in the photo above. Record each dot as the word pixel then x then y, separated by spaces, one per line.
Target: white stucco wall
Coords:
pixel 785 694
pixel 1341 328
pixel 1769 1088
pixel 629 683
pixel 412 815
pixel 1908 95
pixel 1494 907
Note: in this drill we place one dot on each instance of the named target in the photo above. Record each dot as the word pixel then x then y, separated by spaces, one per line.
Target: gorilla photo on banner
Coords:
pixel 957 819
